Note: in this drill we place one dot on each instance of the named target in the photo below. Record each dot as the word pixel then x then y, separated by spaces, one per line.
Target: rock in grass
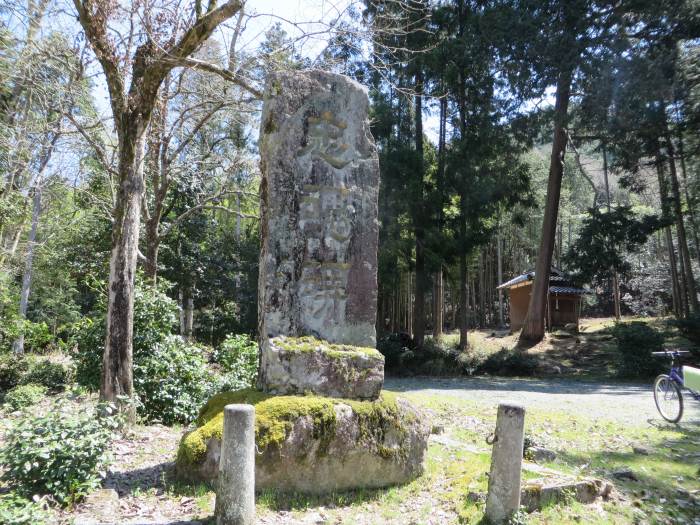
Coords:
pixel 643 451
pixel 624 474
pixel 536 496
pixel 540 454
pixel 314 444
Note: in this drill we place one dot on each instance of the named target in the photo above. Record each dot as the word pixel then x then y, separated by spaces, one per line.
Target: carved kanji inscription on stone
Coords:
pixel 318 268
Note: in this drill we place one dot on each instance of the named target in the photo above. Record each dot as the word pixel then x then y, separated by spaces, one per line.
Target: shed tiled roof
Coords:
pixel 568 289
pixel 558 282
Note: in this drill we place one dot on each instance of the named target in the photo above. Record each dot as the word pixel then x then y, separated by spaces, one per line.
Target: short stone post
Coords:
pixel 235 494
pixel 506 461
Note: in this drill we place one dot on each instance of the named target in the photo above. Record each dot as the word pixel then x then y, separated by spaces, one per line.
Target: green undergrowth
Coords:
pixel 275 416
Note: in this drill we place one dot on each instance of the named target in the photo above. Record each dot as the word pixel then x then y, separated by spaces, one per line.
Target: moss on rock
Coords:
pixel 312 344
pixel 275 417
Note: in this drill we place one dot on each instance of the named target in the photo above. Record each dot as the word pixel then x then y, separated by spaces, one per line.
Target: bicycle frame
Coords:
pixel 676 375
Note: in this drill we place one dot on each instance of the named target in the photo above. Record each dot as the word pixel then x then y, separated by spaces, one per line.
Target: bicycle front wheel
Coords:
pixel 668 398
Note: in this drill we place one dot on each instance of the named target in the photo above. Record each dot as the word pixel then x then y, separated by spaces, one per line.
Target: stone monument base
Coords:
pixel 314 444
pixel 306 365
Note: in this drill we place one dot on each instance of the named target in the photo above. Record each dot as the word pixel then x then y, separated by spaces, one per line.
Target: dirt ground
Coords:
pixel 623 415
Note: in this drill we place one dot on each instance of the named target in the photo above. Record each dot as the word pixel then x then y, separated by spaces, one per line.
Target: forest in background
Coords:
pixel 513 135
pixel 465 98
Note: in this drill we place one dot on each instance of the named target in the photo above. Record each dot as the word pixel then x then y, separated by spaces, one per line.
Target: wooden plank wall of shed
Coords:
pixel 565 312
pixel 519 301
pixel 564 308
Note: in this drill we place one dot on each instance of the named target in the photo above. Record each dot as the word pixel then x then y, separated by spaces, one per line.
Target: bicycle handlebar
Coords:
pixel 671 352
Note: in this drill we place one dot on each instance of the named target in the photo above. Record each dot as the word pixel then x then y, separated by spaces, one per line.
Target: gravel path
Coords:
pixel 624 402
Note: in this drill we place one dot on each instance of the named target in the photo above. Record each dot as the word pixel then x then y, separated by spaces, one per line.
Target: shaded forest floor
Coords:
pixel 589 354
pixel 588 442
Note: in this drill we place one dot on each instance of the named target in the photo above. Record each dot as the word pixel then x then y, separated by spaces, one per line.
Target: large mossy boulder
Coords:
pixel 314 444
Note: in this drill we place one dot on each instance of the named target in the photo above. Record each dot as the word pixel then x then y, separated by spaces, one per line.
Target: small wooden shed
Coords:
pixel 563 306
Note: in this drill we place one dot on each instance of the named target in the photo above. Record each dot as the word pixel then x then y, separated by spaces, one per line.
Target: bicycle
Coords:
pixel 668 388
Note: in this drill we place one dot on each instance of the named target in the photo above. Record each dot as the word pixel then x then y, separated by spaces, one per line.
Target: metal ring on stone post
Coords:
pixel 235 493
pixel 506 462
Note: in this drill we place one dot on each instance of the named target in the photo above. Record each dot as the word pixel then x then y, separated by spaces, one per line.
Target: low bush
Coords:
pixel 172 381
pixel 690 328
pixel 37 337
pixel 397 349
pixel 238 358
pixel 635 343
pixel 59 454
pixel 507 362
pixel 155 315
pixel 54 376
pixel 12 369
pixel 18 510
pixel 24 396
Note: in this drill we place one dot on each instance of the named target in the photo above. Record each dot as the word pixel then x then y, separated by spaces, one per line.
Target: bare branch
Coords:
pixel 201 65
pixel 205 204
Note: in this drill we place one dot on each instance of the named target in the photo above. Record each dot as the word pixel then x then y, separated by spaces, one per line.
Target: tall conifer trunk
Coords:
pixel 687 268
pixel 419 220
pixel 679 302
pixel 439 289
pixel 533 329
pixel 613 272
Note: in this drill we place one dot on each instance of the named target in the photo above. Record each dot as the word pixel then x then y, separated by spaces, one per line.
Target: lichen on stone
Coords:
pixel 275 416
pixel 312 344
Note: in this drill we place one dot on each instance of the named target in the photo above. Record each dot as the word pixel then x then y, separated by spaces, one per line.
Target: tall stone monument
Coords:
pixel 317 307
pixel 317 295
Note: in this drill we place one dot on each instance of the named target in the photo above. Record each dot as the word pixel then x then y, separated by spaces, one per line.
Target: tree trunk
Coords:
pixel 438 305
pixel 419 222
pixel 117 373
pixel 463 303
pixel 689 201
pixel 680 228
pixel 189 317
pixel 18 345
pixel 613 272
pixel 500 276
pixel 677 295
pixel 439 288
pixel 533 328
pixel 152 248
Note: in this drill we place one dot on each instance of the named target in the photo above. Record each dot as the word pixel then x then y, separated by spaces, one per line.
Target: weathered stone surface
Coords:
pixel 235 495
pixel 535 496
pixel 540 454
pixel 100 507
pixel 314 444
pixel 301 365
pixel 506 459
pixel 318 265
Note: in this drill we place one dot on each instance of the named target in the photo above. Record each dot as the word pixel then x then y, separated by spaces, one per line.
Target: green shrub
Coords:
pixel 12 369
pixel 238 358
pixel 10 327
pixel 54 376
pixel 24 396
pixel 690 328
pixel 172 381
pixel 88 336
pixel 635 343
pixel 18 510
pixel 397 349
pixel 155 315
pixel 59 454
pixel 37 336
pixel 508 362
